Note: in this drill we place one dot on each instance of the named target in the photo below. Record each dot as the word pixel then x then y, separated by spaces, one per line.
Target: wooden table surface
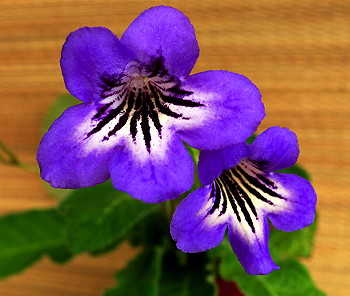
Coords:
pixel 297 52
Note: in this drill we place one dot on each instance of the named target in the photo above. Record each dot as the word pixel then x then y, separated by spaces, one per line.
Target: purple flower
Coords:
pixel 240 191
pixel 139 104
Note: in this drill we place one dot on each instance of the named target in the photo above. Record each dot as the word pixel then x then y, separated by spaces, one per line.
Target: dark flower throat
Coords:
pixel 141 99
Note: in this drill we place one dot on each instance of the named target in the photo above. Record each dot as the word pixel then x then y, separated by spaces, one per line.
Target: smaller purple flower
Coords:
pixel 240 192
pixel 139 104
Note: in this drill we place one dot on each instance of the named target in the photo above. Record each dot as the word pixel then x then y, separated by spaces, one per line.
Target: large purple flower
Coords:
pixel 240 192
pixel 139 104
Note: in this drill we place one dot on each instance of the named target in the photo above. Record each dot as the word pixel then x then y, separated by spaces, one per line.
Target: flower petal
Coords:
pixel 245 215
pixel 212 163
pixel 193 229
pixel 252 248
pixel 288 200
pixel 164 31
pixel 231 111
pixel 275 149
pixel 298 209
pixel 67 158
pixel 87 55
pixel 162 173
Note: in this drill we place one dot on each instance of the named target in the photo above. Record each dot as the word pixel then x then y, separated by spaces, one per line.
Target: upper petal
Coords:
pixel 193 227
pixel 275 149
pixel 231 110
pixel 212 163
pixel 67 158
pixel 163 31
pixel 163 172
pixel 87 55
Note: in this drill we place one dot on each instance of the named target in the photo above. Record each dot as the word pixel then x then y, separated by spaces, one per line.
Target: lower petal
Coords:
pixel 195 229
pixel 231 110
pixel 288 200
pixel 67 158
pixel 299 207
pixel 160 174
pixel 252 249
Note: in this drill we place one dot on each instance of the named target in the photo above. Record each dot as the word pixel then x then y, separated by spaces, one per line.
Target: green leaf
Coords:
pixel 151 231
pixel 141 276
pixel 99 217
pixel 186 283
pixel 195 156
pixel 189 279
pixel 293 244
pixel 292 279
pixel 194 153
pixel 60 254
pixel 251 139
pixel 27 236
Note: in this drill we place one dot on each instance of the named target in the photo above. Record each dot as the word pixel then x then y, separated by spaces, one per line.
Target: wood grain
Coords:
pixel 297 52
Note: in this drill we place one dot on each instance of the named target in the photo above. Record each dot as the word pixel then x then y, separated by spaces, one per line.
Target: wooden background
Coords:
pixel 297 52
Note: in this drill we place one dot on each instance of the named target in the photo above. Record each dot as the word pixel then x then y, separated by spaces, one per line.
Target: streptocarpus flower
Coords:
pixel 240 192
pixel 139 104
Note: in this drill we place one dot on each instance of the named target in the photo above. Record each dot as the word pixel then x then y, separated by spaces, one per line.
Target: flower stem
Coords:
pixel 168 209
pixel 9 158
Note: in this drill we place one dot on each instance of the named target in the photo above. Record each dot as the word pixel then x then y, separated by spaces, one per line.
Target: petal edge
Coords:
pixel 165 31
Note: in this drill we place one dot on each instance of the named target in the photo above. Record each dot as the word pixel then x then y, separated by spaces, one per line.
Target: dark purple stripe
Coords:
pixel 162 108
pixel 153 114
pixel 180 102
pixel 249 188
pixel 259 185
pixel 237 196
pixel 124 118
pixel 110 116
pixel 229 197
pixel 135 117
pixel 102 110
pixel 217 197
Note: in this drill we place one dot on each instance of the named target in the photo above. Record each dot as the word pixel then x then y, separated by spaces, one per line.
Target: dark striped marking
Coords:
pixel 140 105
pixel 181 102
pixel 249 188
pixel 255 182
pixel 223 189
pixel 217 199
pixel 123 119
pixel 236 195
pixel 105 120
pixel 102 110
pixel 237 185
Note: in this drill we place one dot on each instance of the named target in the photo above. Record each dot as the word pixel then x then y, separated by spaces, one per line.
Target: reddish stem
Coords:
pixel 228 288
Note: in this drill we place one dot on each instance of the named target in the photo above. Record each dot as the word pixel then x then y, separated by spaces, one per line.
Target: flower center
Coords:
pixel 138 82
pixel 139 98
